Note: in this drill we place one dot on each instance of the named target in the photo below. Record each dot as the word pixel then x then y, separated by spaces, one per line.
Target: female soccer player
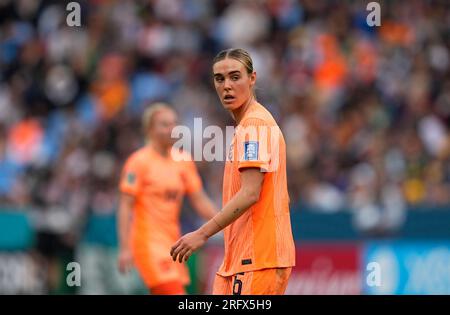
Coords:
pixel 259 247
pixel 152 187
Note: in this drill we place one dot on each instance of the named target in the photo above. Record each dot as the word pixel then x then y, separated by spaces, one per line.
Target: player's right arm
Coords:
pixel 248 195
pixel 125 259
pixel 194 189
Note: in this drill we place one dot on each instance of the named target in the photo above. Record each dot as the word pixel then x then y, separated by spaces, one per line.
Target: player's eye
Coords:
pixel 219 79
pixel 235 78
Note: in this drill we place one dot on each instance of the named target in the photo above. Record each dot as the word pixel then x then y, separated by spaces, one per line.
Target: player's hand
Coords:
pixel 187 244
pixel 125 260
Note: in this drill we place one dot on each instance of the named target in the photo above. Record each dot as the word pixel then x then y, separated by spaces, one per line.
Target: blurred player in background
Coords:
pixel 152 187
pixel 259 246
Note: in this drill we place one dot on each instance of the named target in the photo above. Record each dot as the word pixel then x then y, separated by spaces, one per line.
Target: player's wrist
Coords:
pixel 209 229
pixel 204 234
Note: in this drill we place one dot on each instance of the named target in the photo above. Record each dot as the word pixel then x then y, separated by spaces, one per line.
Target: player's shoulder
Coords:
pixel 138 155
pixel 258 116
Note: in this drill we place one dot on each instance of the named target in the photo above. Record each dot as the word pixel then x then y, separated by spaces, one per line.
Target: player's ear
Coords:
pixel 252 79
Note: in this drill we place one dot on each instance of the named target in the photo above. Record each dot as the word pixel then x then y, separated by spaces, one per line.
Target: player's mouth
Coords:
pixel 228 99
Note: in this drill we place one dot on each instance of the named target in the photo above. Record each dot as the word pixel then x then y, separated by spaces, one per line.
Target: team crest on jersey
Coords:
pixel 131 178
pixel 251 151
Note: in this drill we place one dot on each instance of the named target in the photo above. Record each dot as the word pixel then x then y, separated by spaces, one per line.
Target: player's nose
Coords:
pixel 227 84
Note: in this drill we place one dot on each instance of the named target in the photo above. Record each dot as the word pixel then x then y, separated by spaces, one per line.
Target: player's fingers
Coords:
pixel 123 269
pixel 181 254
pixel 174 254
pixel 174 247
pixel 187 255
pixel 176 251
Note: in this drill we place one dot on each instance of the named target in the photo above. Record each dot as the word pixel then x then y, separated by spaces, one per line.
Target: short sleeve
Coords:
pixel 253 144
pixel 130 178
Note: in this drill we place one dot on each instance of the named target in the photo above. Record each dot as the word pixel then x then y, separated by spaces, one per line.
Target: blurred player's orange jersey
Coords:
pixel 262 237
pixel 158 184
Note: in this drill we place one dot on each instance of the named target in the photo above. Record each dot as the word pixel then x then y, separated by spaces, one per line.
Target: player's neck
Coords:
pixel 239 113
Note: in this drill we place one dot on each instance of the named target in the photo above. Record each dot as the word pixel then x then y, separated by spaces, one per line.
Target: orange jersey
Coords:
pixel 158 185
pixel 262 237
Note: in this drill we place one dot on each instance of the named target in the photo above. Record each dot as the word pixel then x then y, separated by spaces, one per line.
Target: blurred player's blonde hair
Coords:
pixel 149 114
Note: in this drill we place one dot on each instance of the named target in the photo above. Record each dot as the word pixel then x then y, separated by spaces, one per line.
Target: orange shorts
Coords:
pixel 271 281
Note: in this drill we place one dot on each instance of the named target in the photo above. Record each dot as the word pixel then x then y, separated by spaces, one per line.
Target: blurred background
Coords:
pixel 365 112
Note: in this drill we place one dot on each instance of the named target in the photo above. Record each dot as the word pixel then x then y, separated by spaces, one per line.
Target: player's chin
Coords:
pixel 230 104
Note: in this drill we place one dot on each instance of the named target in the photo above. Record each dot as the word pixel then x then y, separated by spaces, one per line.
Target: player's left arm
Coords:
pixel 247 196
pixel 194 190
pixel 203 204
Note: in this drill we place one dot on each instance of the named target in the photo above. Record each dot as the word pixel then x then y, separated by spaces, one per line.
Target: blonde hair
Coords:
pixel 149 114
pixel 240 55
